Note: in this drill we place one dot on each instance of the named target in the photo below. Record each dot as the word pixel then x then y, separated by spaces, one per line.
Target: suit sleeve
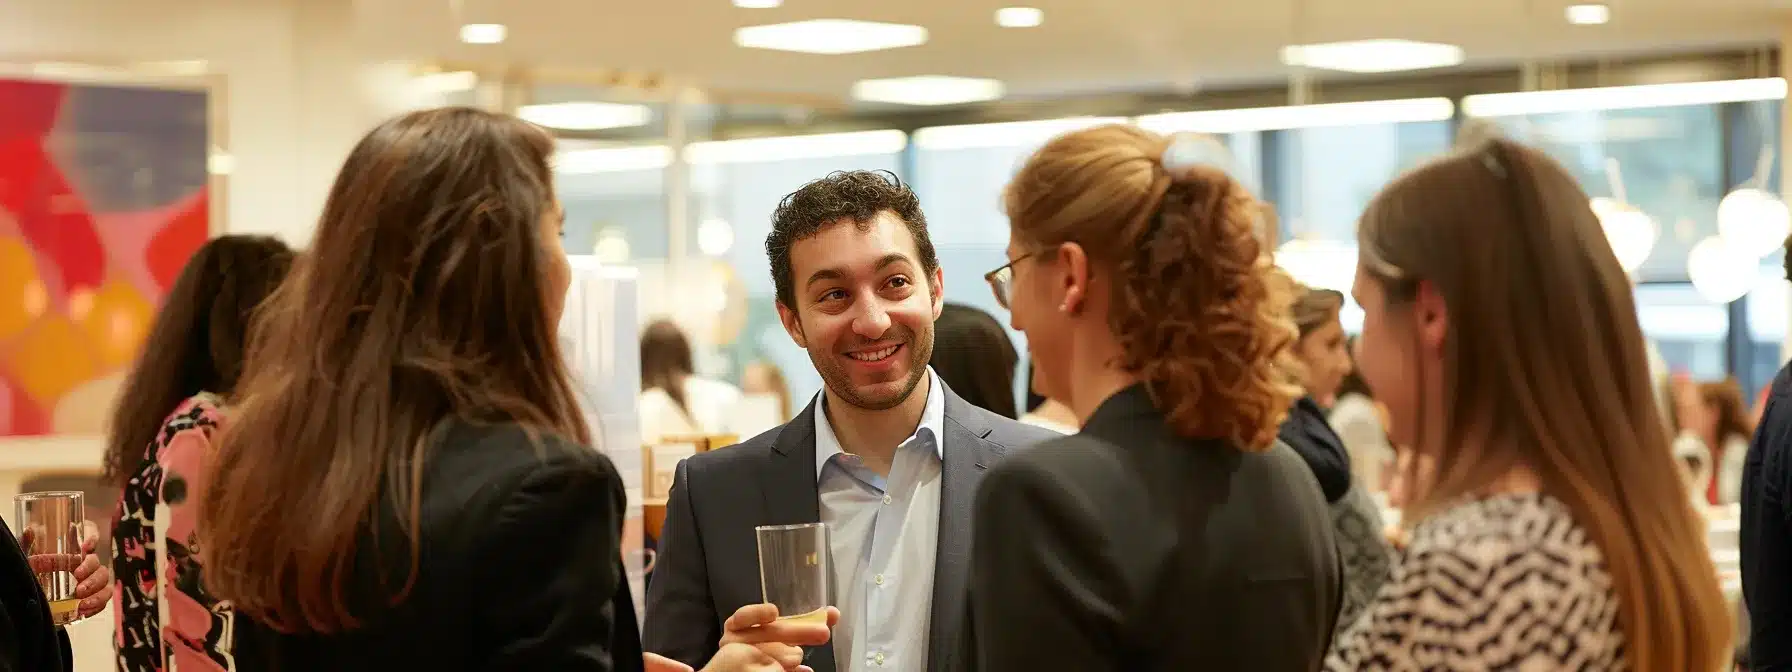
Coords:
pixel 550 566
pixel 1048 591
pixel 681 619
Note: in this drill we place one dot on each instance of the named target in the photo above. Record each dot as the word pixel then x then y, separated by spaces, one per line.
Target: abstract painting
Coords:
pixel 102 200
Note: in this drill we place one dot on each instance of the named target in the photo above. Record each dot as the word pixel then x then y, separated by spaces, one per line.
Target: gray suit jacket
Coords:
pixel 708 559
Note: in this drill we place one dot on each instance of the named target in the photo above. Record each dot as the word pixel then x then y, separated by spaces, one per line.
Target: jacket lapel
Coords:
pixel 968 452
pixel 791 496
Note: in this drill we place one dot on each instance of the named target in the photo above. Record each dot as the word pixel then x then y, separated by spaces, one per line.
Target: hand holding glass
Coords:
pixel 793 570
pixel 50 524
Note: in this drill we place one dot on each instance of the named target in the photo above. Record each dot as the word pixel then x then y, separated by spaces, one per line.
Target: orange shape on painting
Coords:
pixel 50 359
pixel 19 286
pixel 114 321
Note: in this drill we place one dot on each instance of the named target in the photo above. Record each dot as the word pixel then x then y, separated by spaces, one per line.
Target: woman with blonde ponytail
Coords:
pixel 1549 526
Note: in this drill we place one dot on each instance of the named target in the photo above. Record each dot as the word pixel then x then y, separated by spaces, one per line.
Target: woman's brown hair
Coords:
pixel 1315 308
pixel 1544 368
pixel 423 298
pixel 1200 314
pixel 1725 398
pixel 196 344
pixel 666 361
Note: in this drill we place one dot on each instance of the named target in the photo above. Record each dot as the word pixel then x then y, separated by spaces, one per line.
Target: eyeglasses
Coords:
pixel 1001 280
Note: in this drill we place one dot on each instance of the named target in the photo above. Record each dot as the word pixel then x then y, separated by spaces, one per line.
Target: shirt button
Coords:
pixel 878 658
pixel 879 580
pixel 888 499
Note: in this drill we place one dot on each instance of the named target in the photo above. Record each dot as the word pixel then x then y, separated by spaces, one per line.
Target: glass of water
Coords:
pixel 50 533
pixel 793 570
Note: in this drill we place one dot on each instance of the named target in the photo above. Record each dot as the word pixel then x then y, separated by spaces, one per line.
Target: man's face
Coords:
pixel 864 309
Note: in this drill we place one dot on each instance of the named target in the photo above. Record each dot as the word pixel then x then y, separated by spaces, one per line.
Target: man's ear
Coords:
pixel 793 324
pixel 936 288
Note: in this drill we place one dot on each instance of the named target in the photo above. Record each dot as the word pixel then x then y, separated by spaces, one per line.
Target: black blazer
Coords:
pixel 521 569
pixel 1126 547
pixel 708 560
pixel 28 642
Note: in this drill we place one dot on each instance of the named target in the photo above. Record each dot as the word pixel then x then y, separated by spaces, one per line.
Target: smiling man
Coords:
pixel 886 455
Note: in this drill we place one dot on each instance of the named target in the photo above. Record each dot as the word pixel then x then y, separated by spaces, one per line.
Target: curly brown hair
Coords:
pixel 1198 310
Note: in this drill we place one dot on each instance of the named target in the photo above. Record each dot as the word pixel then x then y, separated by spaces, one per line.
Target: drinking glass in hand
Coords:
pixel 50 524
pixel 793 570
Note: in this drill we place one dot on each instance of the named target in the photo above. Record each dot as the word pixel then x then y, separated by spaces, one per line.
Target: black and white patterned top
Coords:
pixel 1507 583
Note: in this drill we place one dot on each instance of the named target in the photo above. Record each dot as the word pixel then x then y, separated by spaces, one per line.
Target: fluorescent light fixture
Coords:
pixel 1301 116
pixel 1590 14
pixel 449 82
pixel 1623 97
pixel 612 159
pixel 758 4
pixel 1019 17
pixel 928 90
pixel 830 36
pixel 483 33
pixel 1373 55
pixel 789 148
pixel 1008 134
pixel 586 116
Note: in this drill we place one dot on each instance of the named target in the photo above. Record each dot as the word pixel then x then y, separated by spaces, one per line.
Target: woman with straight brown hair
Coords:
pixel 1550 527
pixel 1173 532
pixel 405 482
pixel 161 434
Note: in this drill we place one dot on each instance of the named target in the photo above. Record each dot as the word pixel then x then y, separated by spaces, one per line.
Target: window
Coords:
pixel 1670 160
pixel 1688 330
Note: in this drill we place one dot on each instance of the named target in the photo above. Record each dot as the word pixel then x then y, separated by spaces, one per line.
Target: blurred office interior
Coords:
pixel 684 121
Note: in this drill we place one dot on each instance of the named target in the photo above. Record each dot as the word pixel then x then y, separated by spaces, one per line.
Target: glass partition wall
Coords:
pixel 689 200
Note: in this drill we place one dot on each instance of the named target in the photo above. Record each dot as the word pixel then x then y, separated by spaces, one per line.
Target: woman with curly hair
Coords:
pixel 1173 532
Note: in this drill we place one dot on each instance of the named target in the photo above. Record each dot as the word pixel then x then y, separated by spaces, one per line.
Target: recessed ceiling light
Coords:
pixel 928 90
pixel 1591 14
pixel 830 36
pixel 483 33
pixel 758 4
pixel 586 116
pixel 1373 55
pixel 1019 17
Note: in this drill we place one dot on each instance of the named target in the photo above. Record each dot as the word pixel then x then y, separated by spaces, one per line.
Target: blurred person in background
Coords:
pixel 1715 426
pixel 1320 364
pixel 161 438
pixel 973 355
pixel 1048 413
pixel 1357 418
pixel 1548 526
pixel 1765 536
pixel 1174 532
pixel 674 400
pixel 762 378
pixel 405 398
pixel 887 455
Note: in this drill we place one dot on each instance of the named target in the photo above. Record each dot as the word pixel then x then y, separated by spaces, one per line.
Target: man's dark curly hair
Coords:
pixel 856 196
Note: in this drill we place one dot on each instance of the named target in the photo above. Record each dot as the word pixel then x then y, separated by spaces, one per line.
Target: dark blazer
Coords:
pixel 1766 532
pixel 521 569
pixel 1311 436
pixel 28 642
pixel 708 560
pixel 1126 547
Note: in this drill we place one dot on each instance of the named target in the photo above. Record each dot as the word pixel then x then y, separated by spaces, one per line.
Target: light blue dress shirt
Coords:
pixel 883 534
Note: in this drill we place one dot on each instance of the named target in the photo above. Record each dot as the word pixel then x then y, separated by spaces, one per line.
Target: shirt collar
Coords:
pixel 932 427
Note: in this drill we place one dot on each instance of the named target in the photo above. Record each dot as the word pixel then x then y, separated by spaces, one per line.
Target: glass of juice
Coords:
pixel 793 570
pixel 50 534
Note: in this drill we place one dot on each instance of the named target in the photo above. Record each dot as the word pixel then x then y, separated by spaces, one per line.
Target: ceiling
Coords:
pixel 1084 46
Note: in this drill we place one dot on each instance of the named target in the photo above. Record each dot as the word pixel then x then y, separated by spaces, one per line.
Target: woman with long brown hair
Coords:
pixel 405 482
pixel 1550 529
pixel 161 431
pixel 1173 532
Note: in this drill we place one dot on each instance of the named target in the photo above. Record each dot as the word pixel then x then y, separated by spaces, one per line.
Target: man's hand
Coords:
pixel 757 625
pixel 95 580
pixel 732 658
